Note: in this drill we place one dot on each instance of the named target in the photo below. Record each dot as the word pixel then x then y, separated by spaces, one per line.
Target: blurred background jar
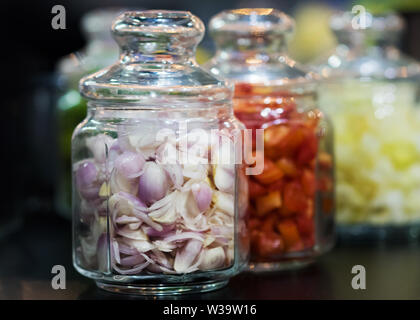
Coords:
pixel 372 93
pixel 99 52
pixel 155 209
pixel 291 203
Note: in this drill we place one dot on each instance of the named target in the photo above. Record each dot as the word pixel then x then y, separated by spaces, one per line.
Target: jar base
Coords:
pixel 377 233
pixel 167 289
pixel 278 266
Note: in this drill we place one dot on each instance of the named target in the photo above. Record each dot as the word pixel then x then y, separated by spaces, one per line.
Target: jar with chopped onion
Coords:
pixel 291 200
pixel 159 197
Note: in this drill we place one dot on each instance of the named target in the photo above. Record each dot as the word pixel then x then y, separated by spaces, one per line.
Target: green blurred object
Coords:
pixel 384 6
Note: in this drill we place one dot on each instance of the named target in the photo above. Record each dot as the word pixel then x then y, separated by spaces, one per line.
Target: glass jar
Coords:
pixel 372 94
pixel 291 203
pixel 155 210
pixel 100 52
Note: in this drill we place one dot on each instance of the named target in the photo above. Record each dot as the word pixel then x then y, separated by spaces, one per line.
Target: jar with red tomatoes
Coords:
pixel 291 200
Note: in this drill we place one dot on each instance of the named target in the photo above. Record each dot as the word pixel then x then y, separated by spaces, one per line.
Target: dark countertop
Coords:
pixel 27 256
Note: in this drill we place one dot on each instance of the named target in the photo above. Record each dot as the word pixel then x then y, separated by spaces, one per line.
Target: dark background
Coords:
pixel 29 54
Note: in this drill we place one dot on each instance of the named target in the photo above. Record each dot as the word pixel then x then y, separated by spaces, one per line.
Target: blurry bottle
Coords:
pixel 372 95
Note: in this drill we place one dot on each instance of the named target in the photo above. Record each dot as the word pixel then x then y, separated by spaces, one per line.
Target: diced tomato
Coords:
pixel 275 135
pixel 255 189
pixel 276 186
pixel 267 203
pixel 269 223
pixel 288 167
pixel 308 149
pixel 305 224
pixel 294 198
pixel 308 182
pixel 309 212
pixel 269 244
pixel 283 140
pixel 289 232
pixel 243 88
pixel 298 246
pixel 309 241
pixel 285 212
pixel 270 174
pixel 327 206
pixel 254 223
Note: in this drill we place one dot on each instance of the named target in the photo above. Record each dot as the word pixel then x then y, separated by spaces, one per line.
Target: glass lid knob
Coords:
pixel 153 32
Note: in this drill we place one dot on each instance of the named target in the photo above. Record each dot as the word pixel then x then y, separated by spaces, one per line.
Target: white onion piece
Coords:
pixel 140 245
pixel 130 164
pixel 186 255
pixel 125 249
pixel 224 202
pixel 116 251
pixel 132 260
pixel 153 183
pixel 98 145
pixel 224 177
pixel 164 246
pixel 123 203
pixel 212 258
pixel 154 233
pixel 175 174
pixel 132 234
pixel 119 183
pixel 126 219
pixel 185 236
pixel 134 270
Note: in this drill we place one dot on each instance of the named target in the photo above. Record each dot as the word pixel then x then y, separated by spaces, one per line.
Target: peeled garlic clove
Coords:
pixel 202 194
pixel 153 183
pixel 130 164
pixel 213 258
pixel 224 202
pixel 186 255
pixel 224 177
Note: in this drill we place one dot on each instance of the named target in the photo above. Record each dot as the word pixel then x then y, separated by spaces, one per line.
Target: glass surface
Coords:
pixel 372 95
pixel 99 52
pixel 291 203
pixel 152 214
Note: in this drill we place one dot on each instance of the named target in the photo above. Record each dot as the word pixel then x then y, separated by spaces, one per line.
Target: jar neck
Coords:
pixel 250 48
pixel 130 112
pixel 364 42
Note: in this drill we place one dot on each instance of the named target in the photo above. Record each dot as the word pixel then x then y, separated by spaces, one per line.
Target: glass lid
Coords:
pixel 157 63
pixel 252 47
pixel 367 48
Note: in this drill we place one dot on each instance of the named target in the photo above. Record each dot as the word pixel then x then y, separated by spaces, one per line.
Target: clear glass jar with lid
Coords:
pixel 291 203
pixel 158 199
pixel 371 93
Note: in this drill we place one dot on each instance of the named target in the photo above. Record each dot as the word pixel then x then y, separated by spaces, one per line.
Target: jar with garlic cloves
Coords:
pixel 159 197
pixel 291 200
